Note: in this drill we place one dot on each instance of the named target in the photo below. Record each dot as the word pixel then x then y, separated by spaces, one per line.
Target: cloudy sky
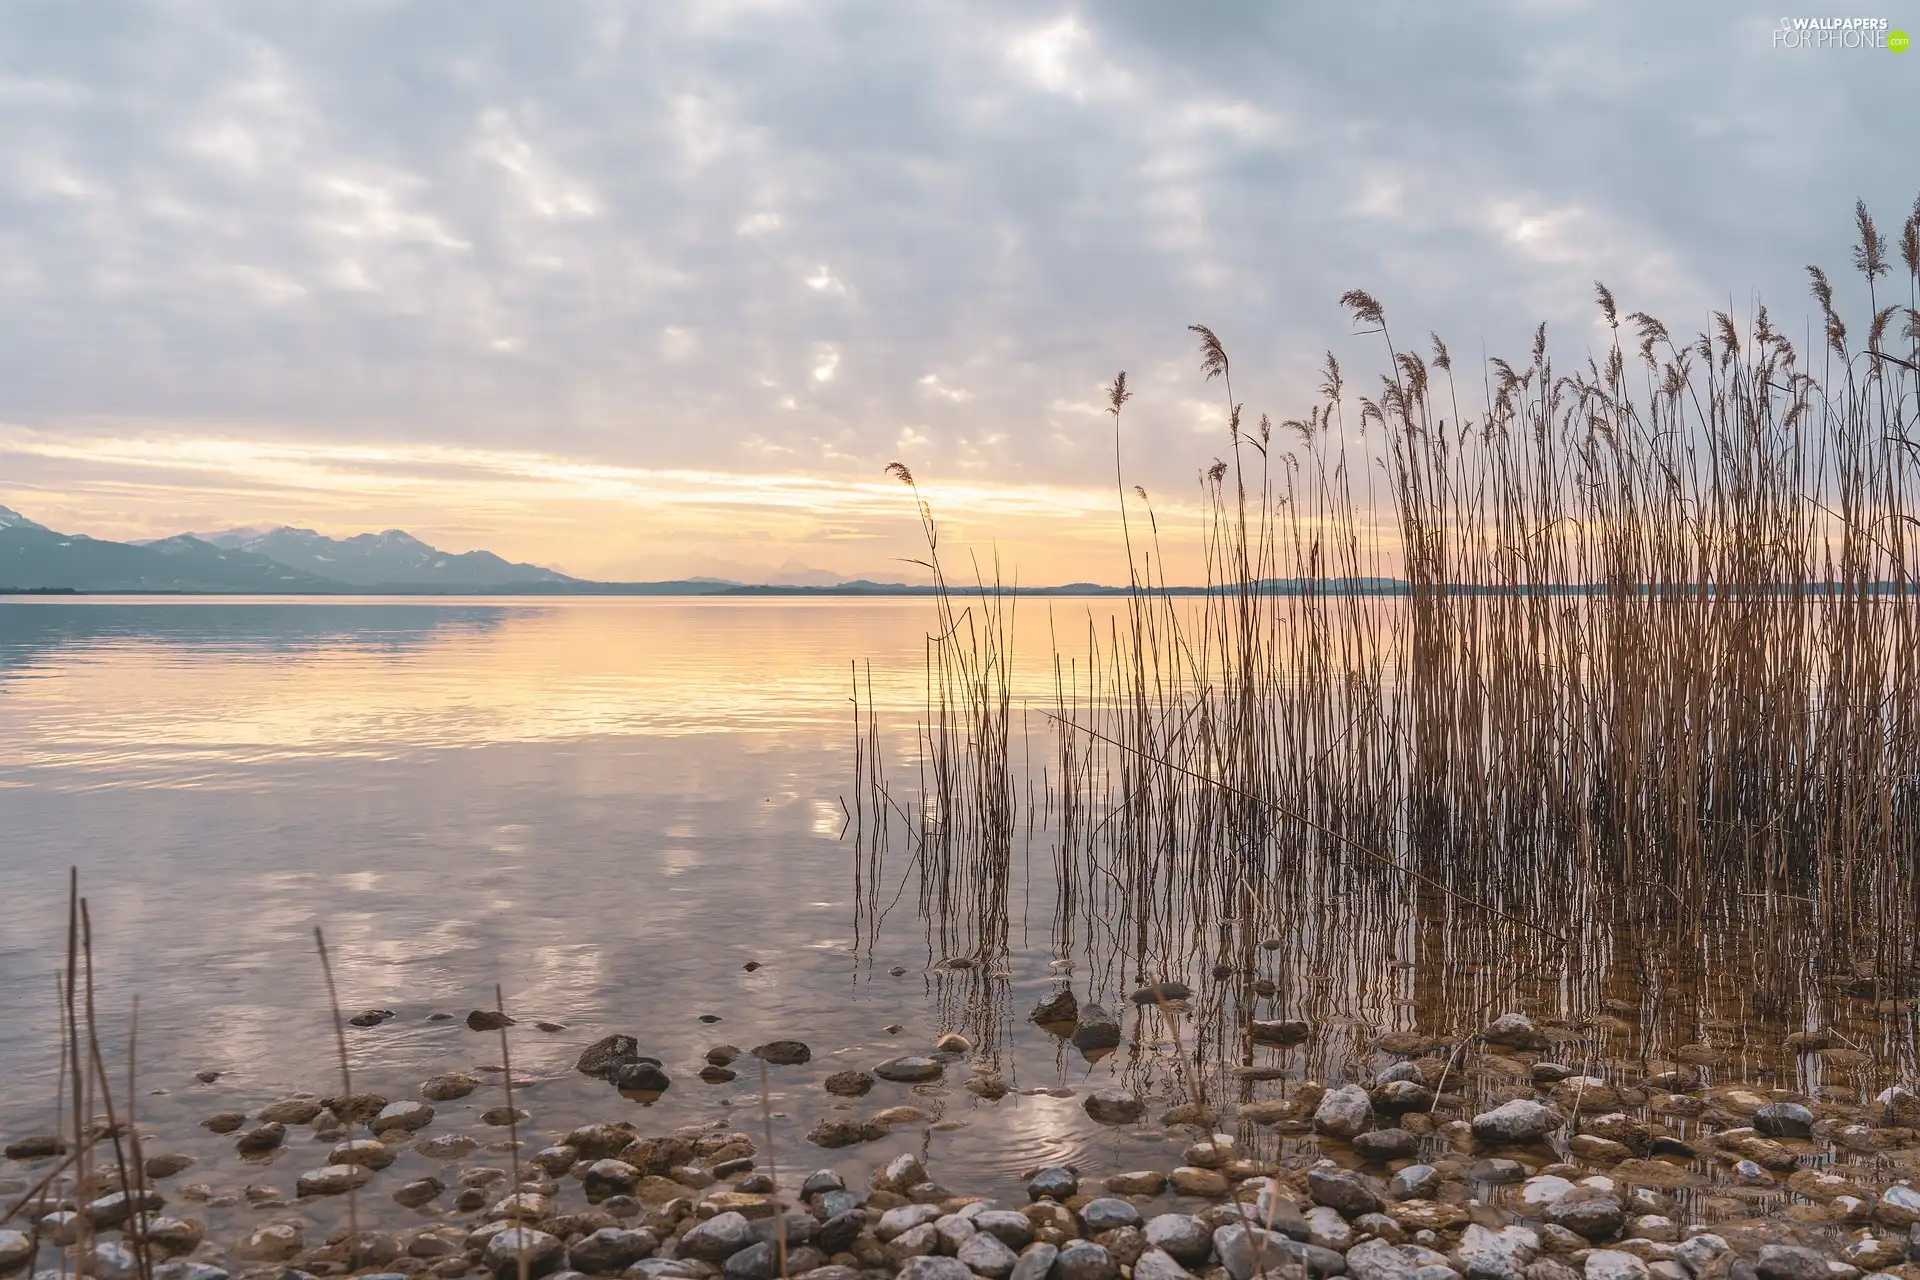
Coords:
pixel 649 289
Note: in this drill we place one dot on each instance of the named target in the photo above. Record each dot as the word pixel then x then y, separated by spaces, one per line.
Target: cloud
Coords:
pixel 664 238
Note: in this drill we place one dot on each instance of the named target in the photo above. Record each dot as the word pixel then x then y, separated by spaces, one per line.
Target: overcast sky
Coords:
pixel 653 289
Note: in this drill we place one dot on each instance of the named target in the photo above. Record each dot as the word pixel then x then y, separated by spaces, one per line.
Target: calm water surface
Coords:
pixel 610 809
pixel 607 807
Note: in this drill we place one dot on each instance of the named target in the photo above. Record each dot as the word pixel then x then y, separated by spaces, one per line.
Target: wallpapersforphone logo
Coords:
pixel 1840 33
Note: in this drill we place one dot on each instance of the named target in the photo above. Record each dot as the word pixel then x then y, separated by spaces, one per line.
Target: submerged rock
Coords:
pixel 910 1069
pixel 606 1055
pixel 488 1020
pixel 1056 1010
pixel 1114 1106
pixel 1096 1029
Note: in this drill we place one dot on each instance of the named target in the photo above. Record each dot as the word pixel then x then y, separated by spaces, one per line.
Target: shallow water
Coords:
pixel 610 808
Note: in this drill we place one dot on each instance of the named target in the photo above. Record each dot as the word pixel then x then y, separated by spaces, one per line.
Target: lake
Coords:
pixel 634 817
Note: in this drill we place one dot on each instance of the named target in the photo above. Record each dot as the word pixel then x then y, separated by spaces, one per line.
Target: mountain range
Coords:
pixel 34 557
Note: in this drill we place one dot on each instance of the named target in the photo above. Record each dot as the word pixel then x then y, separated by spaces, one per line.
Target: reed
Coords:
pixel 1615 661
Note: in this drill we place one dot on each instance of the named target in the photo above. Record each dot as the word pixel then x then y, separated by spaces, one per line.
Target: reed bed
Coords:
pixel 1614 668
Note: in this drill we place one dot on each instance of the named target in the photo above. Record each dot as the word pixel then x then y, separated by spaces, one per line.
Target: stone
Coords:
pixel 187 1269
pixel 1790 1262
pixel 1326 1228
pixel 1206 1183
pixel 542 1254
pixel 419 1193
pixel 1056 1010
pixel 838 1131
pixel 1515 1123
pixel 1497 1255
pixel 1156 1264
pixel 1275 1212
pixel 1145 1182
pixel 718 1238
pixel 405 1116
pixel 488 1020
pixel 604 1178
pixel 260 1140
pixel 290 1111
pixel 111 1210
pixel 1113 1106
pixel 1349 1193
pixel 933 1268
pixel 1244 1251
pixel 758 1261
pixel 357 1108
pixel 448 1146
pixel 987 1255
pixel 362 1151
pixel 1013 1229
pixel 449 1087
pixel 1612 1264
pixel 840 1230
pixel 1280 1033
pixel 333 1180
pixel 1539 1193
pixel 1106 1213
pixel 895 1223
pixel 909 1070
pixel 1382 1145
pixel 1036 1262
pixel 1162 993
pixel 642 1075
pixel 16 1249
pixel 1596 1217
pixel 610 1249
pixel 1084 1260
pixel 1497 1172
pixel 1899 1206
pixel 1344 1112
pixel 1415 1182
pixel 1055 1182
pixel 223 1122
pixel 275 1242
pixel 1096 1030
pixel 899 1173
pixel 848 1084
pixel 1378 1260
pixel 165 1166
pixel 784 1053
pixel 1515 1030
pixel 1784 1120
pixel 915 1242
pixel 1181 1236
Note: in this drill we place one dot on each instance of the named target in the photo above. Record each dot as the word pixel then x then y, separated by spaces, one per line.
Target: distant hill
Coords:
pixel 34 556
pixel 391 559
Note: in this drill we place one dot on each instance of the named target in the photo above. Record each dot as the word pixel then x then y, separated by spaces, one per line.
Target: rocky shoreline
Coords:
pixel 1551 1175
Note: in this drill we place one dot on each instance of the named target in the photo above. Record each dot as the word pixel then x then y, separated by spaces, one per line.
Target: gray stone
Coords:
pixel 1595 1217
pixel 909 1070
pixel 1784 1120
pixel 1036 1261
pixel 1106 1213
pixel 112 1210
pixel 1611 1264
pixel 1011 1228
pixel 1344 1112
pixel 408 1116
pixel 934 1268
pixel 1516 1030
pixel 544 1253
pixel 333 1180
pixel 611 1249
pixel 1084 1260
pixel 1182 1237
pixel 419 1193
pixel 605 1056
pixel 1055 1182
pixel 1275 1212
pixel 1695 1253
pixel 899 1173
pixel 1415 1182
pixel 918 1242
pixel 664 1269
pixel 1497 1172
pixel 1519 1121
pixel 953 1230
pixel 16 1250
pixel 1096 1030
pixel 758 1261
pixel 1114 1106
pixel 1155 1264
pixel 1350 1193
pixel 838 1232
pixel 1326 1228
pixel 1386 1144
pixel 987 1255
pixel 1378 1260
pixel 718 1238
pixel 1790 1262
pixel 1497 1255
pixel 1537 1194
pixel 897 1222
pixel 187 1269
